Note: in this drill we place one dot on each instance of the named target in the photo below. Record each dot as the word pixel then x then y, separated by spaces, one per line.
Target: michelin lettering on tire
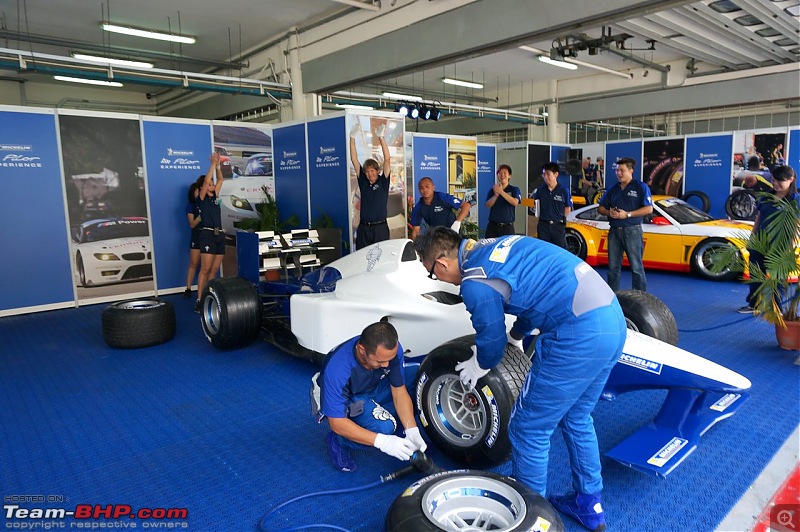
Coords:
pixel 495 428
pixel 421 380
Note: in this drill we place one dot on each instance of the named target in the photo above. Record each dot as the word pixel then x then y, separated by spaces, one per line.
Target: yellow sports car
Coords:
pixel 677 237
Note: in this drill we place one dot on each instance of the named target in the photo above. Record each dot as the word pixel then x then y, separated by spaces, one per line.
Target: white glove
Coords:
pixel 513 341
pixel 380 132
pixel 400 448
pixel 456 226
pixel 355 129
pixel 415 438
pixel 470 371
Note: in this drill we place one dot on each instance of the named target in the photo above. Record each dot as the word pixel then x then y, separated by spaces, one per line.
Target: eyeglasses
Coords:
pixel 432 275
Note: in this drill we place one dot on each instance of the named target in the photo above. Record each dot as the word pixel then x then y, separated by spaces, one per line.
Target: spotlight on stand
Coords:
pixel 436 114
pixel 425 112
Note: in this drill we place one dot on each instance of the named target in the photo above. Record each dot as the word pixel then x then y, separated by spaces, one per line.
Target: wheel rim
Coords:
pixel 458 414
pixel 630 325
pixel 210 313
pixel 705 260
pixel 742 205
pixel 472 503
pixel 138 304
pixel 573 244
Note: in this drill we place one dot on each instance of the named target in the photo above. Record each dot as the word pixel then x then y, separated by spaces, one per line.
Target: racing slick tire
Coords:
pixel 471 500
pixel 231 312
pixel 470 426
pixel 703 259
pixel 138 323
pixel 647 314
pixel 576 244
pixel 741 205
pixel 700 195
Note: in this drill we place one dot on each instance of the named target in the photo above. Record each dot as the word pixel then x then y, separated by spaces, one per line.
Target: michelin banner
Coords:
pixel 291 171
pixel 430 160
pixel 708 169
pixel 327 170
pixel 35 270
pixel 106 206
pixel 177 154
pixel 619 150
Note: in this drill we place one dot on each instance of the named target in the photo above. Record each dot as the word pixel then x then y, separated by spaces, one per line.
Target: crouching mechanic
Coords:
pixel 582 331
pixel 361 390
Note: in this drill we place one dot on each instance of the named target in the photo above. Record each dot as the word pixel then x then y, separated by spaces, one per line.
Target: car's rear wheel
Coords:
pixel 647 314
pixel 138 323
pixel 471 500
pixel 470 426
pixel 231 312
pixel 81 270
pixel 576 244
pixel 741 205
pixel 703 259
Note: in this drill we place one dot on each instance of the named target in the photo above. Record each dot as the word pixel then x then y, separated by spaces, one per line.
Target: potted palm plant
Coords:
pixel 776 298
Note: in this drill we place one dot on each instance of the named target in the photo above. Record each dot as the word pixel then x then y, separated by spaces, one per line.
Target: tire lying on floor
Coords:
pixel 230 311
pixel 138 323
pixel 470 426
pixel 471 500
pixel 647 314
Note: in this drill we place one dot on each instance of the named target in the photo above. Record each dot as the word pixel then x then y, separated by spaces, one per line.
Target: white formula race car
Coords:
pixel 308 317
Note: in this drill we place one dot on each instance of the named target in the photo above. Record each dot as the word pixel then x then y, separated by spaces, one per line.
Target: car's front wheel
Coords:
pixel 471 500
pixel 470 426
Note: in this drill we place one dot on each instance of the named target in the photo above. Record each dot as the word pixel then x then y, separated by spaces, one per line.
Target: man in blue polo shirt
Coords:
pixel 625 204
pixel 373 185
pixel 436 208
pixel 501 202
pixel 361 390
pixel 555 203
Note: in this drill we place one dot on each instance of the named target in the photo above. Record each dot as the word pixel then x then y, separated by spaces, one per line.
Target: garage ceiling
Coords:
pixel 709 36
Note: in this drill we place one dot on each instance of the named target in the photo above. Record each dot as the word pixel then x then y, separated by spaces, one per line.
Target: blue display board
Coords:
pixel 35 270
pixel 487 162
pixel 618 150
pixel 430 160
pixel 176 154
pixel 328 171
pixel 708 169
pixel 560 154
pixel 793 158
pixel 291 172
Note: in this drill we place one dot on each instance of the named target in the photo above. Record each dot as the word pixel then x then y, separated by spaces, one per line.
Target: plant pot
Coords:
pixel 789 338
pixel 272 275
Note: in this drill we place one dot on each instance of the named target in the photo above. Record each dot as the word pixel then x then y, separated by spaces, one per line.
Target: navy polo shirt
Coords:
pixel 635 195
pixel 209 211
pixel 343 377
pixel 502 212
pixel 766 208
pixel 552 202
pixel 374 197
pixel 439 212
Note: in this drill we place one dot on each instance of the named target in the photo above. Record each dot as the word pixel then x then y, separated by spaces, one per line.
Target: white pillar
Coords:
pixel 556 132
pixel 298 99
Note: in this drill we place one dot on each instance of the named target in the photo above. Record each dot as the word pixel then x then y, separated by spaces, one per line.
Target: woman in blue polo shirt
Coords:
pixel 501 201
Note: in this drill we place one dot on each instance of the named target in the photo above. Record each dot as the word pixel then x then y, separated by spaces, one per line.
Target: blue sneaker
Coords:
pixel 584 508
pixel 339 455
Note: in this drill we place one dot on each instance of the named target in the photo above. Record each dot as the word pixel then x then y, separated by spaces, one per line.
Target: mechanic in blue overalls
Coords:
pixel 436 208
pixel 582 331
pixel 361 391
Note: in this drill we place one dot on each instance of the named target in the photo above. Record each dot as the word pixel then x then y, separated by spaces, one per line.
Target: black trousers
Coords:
pixel 494 229
pixel 369 234
pixel 555 233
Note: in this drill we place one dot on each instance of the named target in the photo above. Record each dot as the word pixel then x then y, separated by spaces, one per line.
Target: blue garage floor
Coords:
pixel 228 435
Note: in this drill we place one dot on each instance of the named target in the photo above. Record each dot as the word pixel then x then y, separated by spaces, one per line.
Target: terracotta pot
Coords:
pixel 272 275
pixel 789 338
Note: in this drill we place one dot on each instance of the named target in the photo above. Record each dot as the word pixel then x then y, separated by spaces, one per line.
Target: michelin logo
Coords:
pixel 176 153
pixel 725 401
pixel 666 453
pixel 641 363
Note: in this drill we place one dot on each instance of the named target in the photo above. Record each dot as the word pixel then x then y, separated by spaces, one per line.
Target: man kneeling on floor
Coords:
pixel 361 391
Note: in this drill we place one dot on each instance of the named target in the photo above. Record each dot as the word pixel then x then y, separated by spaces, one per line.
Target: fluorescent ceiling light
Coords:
pixel 580 63
pixel 148 34
pixel 402 96
pixel 113 61
pixel 351 106
pixel 460 83
pixel 89 81
pixel 562 64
